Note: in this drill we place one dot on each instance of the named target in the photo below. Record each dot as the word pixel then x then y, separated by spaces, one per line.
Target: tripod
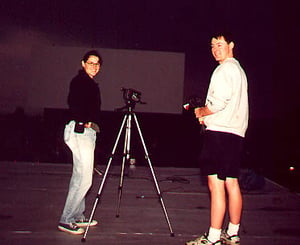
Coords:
pixel 127 120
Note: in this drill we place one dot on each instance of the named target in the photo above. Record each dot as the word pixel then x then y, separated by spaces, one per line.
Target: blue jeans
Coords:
pixel 82 147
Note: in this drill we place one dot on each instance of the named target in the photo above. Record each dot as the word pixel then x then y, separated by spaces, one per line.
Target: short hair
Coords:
pixel 228 37
pixel 92 53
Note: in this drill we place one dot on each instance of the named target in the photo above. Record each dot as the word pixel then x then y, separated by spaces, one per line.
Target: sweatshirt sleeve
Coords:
pixel 220 89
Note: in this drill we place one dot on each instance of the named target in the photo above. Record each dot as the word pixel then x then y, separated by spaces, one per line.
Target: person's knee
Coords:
pixel 232 185
pixel 215 184
pixel 231 181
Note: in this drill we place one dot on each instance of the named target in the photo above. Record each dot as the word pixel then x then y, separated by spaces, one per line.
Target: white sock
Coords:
pixel 214 234
pixel 233 229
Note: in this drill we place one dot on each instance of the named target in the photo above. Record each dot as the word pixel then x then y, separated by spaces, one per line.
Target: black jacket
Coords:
pixel 84 99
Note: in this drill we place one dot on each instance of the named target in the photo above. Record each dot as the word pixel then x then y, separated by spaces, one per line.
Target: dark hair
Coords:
pixel 227 36
pixel 92 53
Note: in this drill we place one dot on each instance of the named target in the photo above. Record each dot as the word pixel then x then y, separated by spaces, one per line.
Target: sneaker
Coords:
pixel 202 240
pixel 85 222
pixel 226 239
pixel 71 228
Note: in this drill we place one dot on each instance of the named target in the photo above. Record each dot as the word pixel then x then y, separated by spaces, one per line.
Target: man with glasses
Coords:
pixel 80 135
pixel 225 115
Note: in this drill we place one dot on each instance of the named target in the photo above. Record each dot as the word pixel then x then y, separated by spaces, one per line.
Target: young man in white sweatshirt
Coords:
pixel 225 116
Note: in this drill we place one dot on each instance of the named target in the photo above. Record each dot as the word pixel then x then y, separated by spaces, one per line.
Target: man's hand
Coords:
pixel 198 112
pixel 93 126
pixel 201 112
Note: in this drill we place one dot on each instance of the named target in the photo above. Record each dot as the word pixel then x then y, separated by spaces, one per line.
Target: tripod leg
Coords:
pixel 83 239
pixel 125 159
pixel 153 175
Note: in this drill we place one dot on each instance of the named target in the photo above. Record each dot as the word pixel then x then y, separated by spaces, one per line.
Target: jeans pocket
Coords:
pixel 67 132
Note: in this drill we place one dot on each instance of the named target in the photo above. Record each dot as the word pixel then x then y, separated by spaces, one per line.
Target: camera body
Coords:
pixel 193 102
pixel 131 95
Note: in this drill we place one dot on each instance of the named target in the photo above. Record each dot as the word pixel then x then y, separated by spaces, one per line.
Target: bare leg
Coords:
pixel 235 201
pixel 218 201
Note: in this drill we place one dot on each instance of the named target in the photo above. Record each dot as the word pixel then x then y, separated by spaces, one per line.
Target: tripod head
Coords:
pixel 131 97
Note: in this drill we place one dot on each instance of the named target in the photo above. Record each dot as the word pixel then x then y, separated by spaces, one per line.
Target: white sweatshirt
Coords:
pixel 227 98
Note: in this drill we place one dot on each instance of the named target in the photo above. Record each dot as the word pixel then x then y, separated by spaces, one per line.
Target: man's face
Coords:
pixel 91 66
pixel 220 49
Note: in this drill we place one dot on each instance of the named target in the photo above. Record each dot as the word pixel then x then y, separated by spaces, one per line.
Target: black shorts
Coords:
pixel 221 154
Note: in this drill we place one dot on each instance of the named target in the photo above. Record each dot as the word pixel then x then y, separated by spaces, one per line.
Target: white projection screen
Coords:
pixel 159 76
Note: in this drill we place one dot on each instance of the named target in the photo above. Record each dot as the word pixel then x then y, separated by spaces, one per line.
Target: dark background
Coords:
pixel 266 34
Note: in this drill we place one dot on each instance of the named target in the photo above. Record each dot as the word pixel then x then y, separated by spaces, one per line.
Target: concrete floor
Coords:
pixel 33 195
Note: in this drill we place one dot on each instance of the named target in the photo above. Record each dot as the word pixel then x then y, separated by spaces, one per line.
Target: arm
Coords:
pixel 218 95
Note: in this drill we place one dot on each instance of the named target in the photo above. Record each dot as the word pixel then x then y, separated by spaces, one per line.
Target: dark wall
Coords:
pixel 172 140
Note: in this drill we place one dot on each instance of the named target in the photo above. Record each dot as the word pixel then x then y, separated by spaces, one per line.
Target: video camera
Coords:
pixel 131 95
pixel 193 102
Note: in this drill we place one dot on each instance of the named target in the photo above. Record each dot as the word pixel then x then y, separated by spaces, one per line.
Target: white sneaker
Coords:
pixel 229 240
pixel 71 228
pixel 85 222
pixel 202 240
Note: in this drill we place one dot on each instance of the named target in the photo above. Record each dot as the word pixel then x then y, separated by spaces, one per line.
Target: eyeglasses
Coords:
pixel 92 64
